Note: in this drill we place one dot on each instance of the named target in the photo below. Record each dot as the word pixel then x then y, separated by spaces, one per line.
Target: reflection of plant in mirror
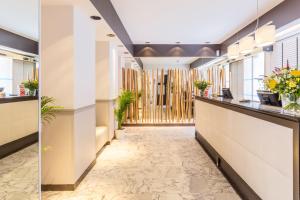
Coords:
pixel 32 86
pixel 48 109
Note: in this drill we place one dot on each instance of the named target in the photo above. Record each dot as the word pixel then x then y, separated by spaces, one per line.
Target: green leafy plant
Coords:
pixel 124 100
pixel 31 85
pixel 48 109
pixel 201 85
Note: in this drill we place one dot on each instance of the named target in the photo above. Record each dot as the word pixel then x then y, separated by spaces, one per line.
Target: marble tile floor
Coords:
pixel 19 175
pixel 152 163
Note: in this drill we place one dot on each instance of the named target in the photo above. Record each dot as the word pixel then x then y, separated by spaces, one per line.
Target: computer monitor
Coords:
pixel 269 98
pixel 227 93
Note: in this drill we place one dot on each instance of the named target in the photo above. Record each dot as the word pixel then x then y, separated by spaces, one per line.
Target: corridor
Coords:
pixel 152 163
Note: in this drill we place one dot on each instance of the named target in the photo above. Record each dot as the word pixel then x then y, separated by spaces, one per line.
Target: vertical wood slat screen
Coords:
pixel 166 95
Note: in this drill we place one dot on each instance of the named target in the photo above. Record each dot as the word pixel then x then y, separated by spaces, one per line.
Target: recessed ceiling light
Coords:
pixel 120 46
pixel 94 17
pixel 110 35
pixel 207 42
pixel 147 42
pixel 177 42
pixel 126 52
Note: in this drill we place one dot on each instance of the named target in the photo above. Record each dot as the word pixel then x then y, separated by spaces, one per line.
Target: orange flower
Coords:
pixel 295 72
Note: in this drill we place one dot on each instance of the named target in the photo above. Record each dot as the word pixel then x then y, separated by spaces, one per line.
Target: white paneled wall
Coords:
pixel 290 51
pixel 287 51
pixel 277 55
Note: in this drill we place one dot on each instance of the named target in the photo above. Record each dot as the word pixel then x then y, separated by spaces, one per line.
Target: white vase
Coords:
pixel 290 103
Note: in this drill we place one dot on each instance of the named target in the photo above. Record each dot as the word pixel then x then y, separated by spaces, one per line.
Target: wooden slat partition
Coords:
pixel 166 95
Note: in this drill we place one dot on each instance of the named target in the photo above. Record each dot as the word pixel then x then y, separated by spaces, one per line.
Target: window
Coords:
pixel 227 76
pixel 253 75
pixel 6 71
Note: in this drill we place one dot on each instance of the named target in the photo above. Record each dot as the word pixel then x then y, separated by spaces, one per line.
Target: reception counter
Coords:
pixel 18 123
pixel 255 146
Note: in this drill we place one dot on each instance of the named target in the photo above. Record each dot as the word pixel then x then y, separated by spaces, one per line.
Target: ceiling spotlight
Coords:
pixel 207 42
pixel 147 42
pixel 126 52
pixel 177 42
pixel 110 35
pixel 94 17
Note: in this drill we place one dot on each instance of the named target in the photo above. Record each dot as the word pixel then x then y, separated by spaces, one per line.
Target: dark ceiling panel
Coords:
pixel 282 14
pixel 18 42
pixel 200 61
pixel 108 12
pixel 170 50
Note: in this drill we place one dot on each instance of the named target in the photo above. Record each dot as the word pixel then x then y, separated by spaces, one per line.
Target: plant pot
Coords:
pixel 119 134
pixel 202 93
pixel 32 92
pixel 291 103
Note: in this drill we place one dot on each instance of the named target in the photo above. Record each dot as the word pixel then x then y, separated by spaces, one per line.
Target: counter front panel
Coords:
pixel 250 140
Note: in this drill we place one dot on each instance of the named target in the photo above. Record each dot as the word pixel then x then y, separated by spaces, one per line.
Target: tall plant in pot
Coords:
pixel 201 85
pixel 124 100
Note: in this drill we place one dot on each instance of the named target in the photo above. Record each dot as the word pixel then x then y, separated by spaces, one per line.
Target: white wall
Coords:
pixel 106 71
pixel 57 54
pixel 68 75
pixel 84 55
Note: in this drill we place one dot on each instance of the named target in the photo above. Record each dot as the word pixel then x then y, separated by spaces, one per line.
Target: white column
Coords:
pixel 106 85
pixel 68 75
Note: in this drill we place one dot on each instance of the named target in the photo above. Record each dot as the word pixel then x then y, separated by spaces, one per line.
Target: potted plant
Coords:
pixel 201 85
pixel 124 100
pixel 32 86
pixel 286 82
pixel 48 109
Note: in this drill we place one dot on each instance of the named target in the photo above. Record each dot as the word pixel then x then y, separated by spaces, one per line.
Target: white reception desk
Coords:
pixel 18 123
pixel 255 146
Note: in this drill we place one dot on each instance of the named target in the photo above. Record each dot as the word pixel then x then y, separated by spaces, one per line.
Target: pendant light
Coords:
pixel 233 51
pixel 246 45
pixel 265 35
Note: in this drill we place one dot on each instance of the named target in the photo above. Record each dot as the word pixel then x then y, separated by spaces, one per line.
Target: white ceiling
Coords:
pixel 20 17
pixel 102 28
pixel 167 61
pixel 190 22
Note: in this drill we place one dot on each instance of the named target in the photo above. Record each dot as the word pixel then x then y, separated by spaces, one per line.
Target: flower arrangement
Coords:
pixel 201 85
pixel 286 82
pixel 32 86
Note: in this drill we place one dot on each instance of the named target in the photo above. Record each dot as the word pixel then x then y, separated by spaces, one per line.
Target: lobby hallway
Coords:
pixel 152 163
